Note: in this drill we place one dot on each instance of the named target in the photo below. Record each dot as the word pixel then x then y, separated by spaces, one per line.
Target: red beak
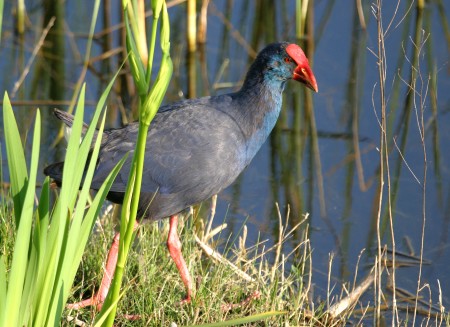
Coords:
pixel 302 72
pixel 305 75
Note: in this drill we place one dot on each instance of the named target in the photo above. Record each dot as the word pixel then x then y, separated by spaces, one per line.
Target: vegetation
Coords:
pixel 150 98
pixel 237 281
pixel 35 277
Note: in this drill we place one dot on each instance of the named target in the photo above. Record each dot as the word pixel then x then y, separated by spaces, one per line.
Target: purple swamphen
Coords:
pixel 196 148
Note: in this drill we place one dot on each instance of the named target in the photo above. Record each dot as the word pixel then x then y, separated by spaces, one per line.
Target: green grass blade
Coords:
pixel 36 269
pixel 46 288
pixel 240 321
pixel 55 297
pixel 93 211
pixel 73 169
pixel 21 247
pixel 76 238
pixel 43 219
pixel 2 287
pixel 70 241
pixel 95 207
pixel 148 106
pixel 28 288
pixel 101 318
pixel 16 158
pixel 57 233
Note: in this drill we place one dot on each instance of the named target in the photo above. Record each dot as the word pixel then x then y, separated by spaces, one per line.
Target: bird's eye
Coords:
pixel 303 71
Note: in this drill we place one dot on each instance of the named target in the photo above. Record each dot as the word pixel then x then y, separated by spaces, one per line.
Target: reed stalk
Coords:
pixel 191 28
pixel 151 96
pixel 20 16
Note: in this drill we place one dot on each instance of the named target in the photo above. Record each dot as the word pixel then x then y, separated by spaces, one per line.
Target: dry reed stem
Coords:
pixel 203 22
pixel 242 240
pixel 263 270
pixel 191 28
pixel 330 264
pixel 36 49
pixel 121 25
pixel 105 55
pixel 212 214
pixel 234 32
pixel 363 185
pixel 279 245
pixel 72 43
pixel 286 236
pixel 419 108
pixel 218 257
pixel 215 231
pixel 362 21
pixel 349 301
pixel 384 165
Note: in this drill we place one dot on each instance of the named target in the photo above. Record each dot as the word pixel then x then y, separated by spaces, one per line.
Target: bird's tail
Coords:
pixel 68 119
pixel 55 171
pixel 65 117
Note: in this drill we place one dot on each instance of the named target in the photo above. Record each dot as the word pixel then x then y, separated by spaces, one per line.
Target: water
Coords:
pixel 286 170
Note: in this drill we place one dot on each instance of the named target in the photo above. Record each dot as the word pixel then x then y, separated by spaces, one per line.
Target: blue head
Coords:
pixel 279 62
pixel 261 95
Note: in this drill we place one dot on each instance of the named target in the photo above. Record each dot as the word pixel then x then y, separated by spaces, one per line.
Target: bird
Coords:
pixel 195 148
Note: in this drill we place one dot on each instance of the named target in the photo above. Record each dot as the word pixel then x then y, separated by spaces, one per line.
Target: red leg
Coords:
pixel 98 298
pixel 174 246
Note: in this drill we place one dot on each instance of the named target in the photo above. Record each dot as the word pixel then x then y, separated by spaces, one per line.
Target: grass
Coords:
pixel 153 287
pixel 283 281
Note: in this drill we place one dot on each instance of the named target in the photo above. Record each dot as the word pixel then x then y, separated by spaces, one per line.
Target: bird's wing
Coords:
pixel 192 145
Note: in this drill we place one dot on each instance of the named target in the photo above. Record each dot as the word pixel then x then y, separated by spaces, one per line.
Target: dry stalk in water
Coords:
pixel 218 257
pixel 349 301
pixel 36 49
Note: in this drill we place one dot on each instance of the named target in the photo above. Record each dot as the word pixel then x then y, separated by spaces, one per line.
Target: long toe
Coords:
pixel 93 301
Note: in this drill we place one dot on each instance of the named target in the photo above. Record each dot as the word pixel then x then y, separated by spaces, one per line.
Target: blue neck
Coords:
pixel 260 105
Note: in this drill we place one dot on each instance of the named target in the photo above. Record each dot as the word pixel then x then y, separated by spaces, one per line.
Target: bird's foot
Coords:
pixel 110 267
pixel 185 301
pixel 93 301
pixel 232 306
pixel 132 317
pixel 98 303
